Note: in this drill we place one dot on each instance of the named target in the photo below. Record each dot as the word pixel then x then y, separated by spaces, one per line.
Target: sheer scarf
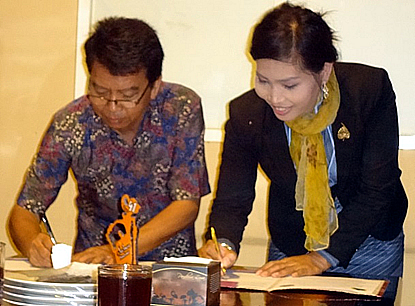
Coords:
pixel 312 192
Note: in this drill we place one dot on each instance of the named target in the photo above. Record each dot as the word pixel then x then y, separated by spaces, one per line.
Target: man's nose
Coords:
pixel 112 102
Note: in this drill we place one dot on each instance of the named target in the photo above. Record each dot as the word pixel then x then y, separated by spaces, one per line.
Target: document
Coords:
pixel 249 280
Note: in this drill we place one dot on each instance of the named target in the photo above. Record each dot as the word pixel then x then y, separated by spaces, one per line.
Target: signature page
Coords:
pixel 249 280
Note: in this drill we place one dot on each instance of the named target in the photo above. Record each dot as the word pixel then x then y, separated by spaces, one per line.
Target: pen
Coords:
pixel 215 240
pixel 48 228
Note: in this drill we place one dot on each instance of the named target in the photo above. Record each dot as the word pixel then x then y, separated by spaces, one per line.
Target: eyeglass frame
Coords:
pixel 116 101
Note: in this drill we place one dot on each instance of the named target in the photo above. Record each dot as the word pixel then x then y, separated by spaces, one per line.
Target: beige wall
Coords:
pixel 37 62
pixel 37 58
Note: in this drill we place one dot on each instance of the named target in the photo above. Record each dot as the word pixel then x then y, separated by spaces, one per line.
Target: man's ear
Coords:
pixel 155 88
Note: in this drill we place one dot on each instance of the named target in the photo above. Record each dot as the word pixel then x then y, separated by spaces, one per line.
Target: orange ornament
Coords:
pixel 122 234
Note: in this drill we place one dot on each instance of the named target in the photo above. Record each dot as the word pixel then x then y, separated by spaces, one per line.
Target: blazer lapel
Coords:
pixel 344 146
pixel 275 158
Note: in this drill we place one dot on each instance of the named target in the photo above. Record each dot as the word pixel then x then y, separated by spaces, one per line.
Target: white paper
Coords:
pixel 18 264
pixel 61 255
pixel 189 259
pixel 244 280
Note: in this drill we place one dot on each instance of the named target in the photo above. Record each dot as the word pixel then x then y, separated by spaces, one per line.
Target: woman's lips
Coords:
pixel 281 111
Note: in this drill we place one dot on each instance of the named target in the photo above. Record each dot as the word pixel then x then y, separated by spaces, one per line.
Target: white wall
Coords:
pixel 205 42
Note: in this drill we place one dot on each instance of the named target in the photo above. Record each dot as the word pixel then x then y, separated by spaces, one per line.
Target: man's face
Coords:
pixel 120 101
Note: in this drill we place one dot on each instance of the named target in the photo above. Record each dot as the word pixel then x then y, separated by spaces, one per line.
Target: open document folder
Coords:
pixel 249 280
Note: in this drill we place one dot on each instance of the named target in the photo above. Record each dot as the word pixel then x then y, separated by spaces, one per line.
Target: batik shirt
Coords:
pixel 165 163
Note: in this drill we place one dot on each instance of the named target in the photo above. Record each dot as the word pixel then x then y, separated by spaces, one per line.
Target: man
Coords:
pixel 131 134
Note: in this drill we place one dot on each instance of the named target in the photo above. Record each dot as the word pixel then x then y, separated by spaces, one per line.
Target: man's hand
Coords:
pixel 26 234
pixel 96 255
pixel 208 250
pixel 309 264
pixel 40 250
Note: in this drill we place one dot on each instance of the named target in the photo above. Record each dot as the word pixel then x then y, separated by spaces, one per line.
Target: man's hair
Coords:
pixel 125 46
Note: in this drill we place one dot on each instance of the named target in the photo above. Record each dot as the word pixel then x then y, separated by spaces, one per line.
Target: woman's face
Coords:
pixel 289 90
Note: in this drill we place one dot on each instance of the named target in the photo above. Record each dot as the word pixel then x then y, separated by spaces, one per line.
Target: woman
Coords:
pixel 326 135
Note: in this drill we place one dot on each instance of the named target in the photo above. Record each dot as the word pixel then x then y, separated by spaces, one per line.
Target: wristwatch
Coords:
pixel 227 246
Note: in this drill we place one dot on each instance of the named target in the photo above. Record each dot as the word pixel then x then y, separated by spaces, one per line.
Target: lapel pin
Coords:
pixel 343 133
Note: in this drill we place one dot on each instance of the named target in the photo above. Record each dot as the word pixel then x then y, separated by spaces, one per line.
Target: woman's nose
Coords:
pixel 275 96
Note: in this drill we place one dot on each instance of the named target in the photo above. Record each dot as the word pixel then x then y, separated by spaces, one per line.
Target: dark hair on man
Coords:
pixel 125 46
pixel 294 34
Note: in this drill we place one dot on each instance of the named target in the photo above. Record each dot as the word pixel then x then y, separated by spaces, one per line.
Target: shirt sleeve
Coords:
pixel 47 172
pixel 189 178
pixel 333 261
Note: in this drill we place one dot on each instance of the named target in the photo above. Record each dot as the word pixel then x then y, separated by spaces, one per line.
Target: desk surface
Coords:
pixel 231 297
pixel 238 297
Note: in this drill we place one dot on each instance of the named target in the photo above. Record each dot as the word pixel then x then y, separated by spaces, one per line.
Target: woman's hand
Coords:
pixel 208 250
pixel 96 255
pixel 309 264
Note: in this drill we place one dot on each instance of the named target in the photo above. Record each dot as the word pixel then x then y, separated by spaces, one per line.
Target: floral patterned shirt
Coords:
pixel 165 163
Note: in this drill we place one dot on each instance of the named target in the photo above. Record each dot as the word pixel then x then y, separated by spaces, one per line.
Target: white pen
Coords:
pixel 48 228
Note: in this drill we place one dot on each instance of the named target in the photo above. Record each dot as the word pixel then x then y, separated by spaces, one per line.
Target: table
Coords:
pixel 238 297
pixel 241 297
pixel 231 297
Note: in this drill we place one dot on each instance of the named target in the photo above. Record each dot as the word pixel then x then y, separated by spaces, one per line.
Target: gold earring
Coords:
pixel 325 91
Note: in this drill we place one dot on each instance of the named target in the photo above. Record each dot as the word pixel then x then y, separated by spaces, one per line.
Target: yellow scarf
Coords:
pixel 312 192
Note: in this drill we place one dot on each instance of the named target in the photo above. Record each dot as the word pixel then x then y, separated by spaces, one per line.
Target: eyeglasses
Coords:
pixel 127 103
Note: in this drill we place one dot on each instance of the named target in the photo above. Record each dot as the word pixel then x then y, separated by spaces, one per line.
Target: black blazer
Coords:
pixel 368 177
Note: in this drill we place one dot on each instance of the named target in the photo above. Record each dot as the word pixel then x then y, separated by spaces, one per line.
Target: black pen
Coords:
pixel 48 228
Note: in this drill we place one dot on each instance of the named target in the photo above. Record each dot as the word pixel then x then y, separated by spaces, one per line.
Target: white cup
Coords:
pixel 61 255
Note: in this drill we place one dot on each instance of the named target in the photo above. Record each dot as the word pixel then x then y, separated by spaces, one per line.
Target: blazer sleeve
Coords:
pixel 238 172
pixel 368 188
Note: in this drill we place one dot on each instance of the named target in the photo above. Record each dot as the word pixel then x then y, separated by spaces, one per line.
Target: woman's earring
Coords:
pixel 325 91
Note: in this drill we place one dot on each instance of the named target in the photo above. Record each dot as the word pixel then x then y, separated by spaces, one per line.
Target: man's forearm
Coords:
pixel 174 218
pixel 23 227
